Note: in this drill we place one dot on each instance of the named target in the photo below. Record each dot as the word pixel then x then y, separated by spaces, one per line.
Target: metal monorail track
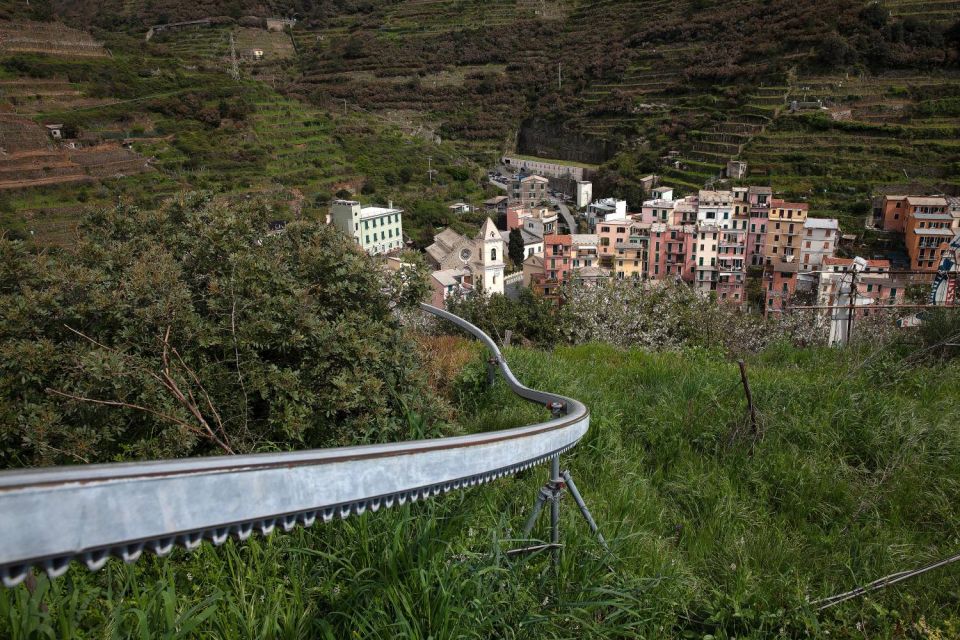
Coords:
pixel 51 516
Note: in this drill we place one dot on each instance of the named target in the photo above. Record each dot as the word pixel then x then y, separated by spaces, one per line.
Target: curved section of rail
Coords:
pixel 51 516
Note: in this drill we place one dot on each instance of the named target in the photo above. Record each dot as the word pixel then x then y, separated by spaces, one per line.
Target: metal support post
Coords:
pixel 583 509
pixel 542 496
pixel 557 483
pixel 491 371
pixel 552 491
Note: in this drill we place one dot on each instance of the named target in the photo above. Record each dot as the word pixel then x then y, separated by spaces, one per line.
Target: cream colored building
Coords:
pixel 375 229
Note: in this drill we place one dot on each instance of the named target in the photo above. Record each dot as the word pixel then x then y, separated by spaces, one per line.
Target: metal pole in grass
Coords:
pixel 557 483
pixel 583 509
pixel 552 491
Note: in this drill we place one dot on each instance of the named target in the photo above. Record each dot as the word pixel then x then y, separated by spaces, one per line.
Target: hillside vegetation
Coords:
pixel 192 126
pixel 715 531
pixel 614 83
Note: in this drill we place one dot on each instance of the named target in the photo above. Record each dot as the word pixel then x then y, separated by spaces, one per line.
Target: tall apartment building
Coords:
pixel 928 224
pixel 927 234
pixel 820 236
pixel 758 199
pixel 705 245
pixel 731 274
pixel 376 230
pixel 557 263
pixel 784 231
pixel 781 285
pixel 529 191
pixel 630 262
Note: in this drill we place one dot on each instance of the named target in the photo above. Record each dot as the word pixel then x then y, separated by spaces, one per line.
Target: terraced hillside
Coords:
pixel 192 125
pixel 672 88
pixel 944 11
pixel 28 36
pixel 471 85
pixel 871 132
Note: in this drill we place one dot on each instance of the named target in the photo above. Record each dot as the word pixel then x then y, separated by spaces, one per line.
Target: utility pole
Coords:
pixel 559 77
pixel 852 305
pixel 430 170
pixel 234 68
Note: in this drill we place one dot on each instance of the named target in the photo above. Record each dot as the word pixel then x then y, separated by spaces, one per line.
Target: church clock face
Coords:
pixel 465 255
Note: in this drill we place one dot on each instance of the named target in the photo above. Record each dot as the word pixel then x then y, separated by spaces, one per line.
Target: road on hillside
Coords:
pixel 567 216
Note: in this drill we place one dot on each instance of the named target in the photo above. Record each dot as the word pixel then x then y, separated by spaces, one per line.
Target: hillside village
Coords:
pixel 716 241
pixel 713 250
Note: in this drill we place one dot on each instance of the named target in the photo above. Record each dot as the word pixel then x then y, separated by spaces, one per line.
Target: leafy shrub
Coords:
pixel 193 330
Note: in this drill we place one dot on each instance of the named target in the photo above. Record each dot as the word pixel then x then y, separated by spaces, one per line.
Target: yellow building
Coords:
pixel 784 231
pixel 631 258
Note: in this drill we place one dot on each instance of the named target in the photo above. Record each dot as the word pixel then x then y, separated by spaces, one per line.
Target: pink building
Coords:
pixel 731 275
pixel 670 253
pixel 781 285
pixel 657 211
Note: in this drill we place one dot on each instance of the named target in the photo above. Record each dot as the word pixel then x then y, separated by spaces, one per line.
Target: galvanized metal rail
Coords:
pixel 51 516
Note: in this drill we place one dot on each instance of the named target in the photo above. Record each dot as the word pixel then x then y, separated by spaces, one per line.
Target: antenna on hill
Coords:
pixel 430 169
pixel 559 77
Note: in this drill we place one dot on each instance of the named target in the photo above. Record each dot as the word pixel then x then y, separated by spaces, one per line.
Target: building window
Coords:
pixel 493 255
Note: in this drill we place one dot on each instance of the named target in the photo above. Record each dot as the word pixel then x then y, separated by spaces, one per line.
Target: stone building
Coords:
pixel 480 260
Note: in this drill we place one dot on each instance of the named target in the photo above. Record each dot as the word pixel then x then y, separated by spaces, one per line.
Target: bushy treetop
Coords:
pixel 192 330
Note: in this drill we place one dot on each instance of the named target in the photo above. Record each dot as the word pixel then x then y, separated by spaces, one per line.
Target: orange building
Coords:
pixel 927 236
pixel 614 232
pixel 893 213
pixel 631 260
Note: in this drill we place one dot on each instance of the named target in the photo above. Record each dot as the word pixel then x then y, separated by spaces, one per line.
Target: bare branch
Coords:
pixel 127 405
pixel 236 354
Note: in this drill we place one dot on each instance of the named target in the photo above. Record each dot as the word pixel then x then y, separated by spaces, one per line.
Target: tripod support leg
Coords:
pixel 542 496
pixel 583 509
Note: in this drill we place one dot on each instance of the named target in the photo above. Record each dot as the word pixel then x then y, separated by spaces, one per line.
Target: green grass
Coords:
pixel 856 476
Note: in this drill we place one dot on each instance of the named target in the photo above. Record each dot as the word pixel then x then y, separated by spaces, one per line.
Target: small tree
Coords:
pixel 515 248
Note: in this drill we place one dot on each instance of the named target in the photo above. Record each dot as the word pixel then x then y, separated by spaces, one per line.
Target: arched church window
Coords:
pixel 493 255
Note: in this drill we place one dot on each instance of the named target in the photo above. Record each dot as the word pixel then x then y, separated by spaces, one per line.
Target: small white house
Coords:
pixel 662 193
pixel 584 193
pixel 55 131
pixel 736 169
pixel 257 54
pixel 460 208
pixel 606 209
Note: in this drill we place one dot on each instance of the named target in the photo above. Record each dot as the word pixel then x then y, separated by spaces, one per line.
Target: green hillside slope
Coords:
pixel 192 126
pixel 715 533
pixel 619 83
